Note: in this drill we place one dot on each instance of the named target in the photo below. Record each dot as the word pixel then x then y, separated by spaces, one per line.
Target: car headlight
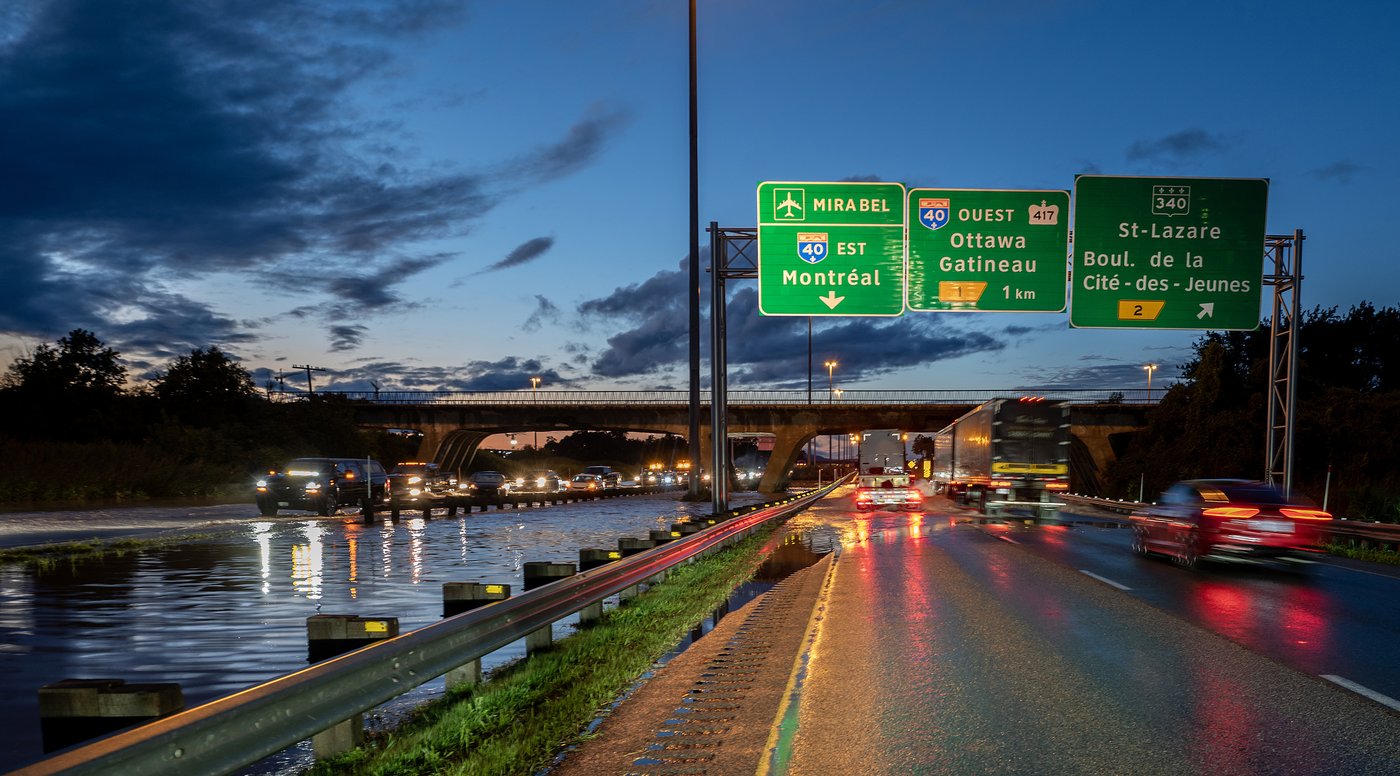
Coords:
pixel 313 486
pixel 414 480
pixel 262 484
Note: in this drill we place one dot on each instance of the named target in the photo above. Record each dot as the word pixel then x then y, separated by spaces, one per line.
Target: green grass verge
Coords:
pixel 48 556
pixel 1360 552
pixel 528 711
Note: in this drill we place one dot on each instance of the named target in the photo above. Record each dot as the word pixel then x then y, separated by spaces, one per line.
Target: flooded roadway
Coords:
pixel 220 614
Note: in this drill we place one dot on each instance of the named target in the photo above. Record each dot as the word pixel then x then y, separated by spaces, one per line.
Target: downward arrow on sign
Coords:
pixel 1207 309
pixel 832 299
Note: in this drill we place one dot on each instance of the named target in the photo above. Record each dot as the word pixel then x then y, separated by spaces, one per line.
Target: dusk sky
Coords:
pixel 438 195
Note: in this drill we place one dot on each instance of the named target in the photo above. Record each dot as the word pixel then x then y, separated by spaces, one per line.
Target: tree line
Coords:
pixel 73 428
pixel 1213 422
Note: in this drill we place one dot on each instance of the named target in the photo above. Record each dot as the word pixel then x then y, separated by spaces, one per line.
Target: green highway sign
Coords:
pixel 987 250
pixel 830 248
pixel 1167 253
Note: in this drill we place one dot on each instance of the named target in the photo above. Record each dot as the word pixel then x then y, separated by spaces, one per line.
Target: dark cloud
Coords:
pixel 161 140
pixel 545 310
pixel 580 145
pixel 766 351
pixel 508 374
pixel 347 336
pixel 1177 146
pixel 1339 171
pixel 352 291
pixel 1113 374
pixel 525 252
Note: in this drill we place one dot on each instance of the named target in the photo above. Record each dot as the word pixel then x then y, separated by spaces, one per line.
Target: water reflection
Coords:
pixel 220 615
pixel 307 562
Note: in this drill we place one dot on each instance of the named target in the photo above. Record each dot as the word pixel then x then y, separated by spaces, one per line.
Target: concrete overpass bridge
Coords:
pixel 454 424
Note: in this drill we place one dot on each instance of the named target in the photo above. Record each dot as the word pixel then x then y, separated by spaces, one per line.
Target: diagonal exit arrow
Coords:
pixel 832 299
pixel 1207 310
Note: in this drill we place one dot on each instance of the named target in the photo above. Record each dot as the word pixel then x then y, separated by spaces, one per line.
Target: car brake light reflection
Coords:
pixel 1306 514
pixel 1232 512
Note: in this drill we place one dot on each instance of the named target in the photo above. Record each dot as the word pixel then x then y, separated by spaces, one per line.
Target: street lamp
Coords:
pixel 830 381
pixel 1150 369
pixel 535 393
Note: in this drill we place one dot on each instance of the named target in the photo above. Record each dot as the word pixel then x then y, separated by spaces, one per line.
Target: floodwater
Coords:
pixel 227 612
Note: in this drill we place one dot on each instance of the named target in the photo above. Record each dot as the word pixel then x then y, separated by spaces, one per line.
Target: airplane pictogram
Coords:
pixel 788 204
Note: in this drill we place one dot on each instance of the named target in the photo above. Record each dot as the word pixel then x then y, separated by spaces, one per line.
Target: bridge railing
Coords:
pixel 1135 396
pixel 230 733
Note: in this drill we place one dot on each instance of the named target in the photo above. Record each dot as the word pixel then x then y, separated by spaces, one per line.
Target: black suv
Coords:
pixel 322 485
pixel 415 480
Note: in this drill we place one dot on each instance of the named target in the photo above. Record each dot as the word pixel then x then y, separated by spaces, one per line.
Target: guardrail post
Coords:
pixel 539 574
pixel 459 597
pixel 592 559
pixel 628 547
pixel 328 635
pixel 75 710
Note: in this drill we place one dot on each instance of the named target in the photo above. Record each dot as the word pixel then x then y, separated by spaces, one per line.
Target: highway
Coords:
pixel 943 646
pixel 923 642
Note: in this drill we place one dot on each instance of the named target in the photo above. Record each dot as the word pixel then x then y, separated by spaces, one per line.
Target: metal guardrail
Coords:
pixel 1381 533
pixel 224 735
pixel 1133 396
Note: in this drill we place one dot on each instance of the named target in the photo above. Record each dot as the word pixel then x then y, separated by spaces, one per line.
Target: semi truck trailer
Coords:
pixel 1006 455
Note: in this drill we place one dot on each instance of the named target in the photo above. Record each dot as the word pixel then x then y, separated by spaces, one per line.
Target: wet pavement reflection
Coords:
pixel 221 614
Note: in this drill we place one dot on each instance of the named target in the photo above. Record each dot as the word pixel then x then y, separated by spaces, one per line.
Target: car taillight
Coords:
pixel 1231 512
pixel 1306 514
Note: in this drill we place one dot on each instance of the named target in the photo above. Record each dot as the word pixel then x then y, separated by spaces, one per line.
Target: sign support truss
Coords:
pixel 1286 251
pixel 733 255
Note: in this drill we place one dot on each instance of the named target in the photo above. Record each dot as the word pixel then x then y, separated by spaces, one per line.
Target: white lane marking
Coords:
pixel 1384 700
pixel 1104 580
pixel 1007 539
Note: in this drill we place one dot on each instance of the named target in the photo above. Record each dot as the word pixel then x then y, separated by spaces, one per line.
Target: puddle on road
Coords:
pixel 798 551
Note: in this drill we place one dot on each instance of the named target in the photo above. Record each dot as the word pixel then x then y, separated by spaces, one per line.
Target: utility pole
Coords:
pixel 310 391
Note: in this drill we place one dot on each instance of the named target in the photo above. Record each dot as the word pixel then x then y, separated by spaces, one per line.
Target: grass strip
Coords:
pixel 528 711
pixel 47 556
pixel 1361 552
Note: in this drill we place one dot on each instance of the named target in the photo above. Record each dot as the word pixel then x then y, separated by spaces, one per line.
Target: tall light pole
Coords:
pixel 535 393
pixel 693 293
pixel 1150 369
pixel 830 381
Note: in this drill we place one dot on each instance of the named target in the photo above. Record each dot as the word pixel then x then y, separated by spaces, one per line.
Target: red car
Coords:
pixel 1198 519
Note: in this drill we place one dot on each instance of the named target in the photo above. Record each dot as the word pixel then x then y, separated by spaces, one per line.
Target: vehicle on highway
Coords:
pixel 488 483
pixel 586 482
pixel 541 481
pixel 1196 519
pixel 322 485
pixel 420 480
pixel 610 478
pixel 1005 452
pixel 891 489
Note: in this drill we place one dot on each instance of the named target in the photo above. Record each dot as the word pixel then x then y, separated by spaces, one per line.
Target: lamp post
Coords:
pixel 535 394
pixel 830 381
pixel 1150 369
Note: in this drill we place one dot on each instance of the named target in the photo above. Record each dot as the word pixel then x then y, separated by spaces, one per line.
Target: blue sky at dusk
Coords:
pixel 459 195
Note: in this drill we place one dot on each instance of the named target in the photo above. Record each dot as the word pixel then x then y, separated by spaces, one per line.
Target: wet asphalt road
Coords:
pixel 959 648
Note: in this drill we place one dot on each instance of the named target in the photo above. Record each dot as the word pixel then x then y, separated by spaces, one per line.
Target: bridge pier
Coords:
pixel 787 444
